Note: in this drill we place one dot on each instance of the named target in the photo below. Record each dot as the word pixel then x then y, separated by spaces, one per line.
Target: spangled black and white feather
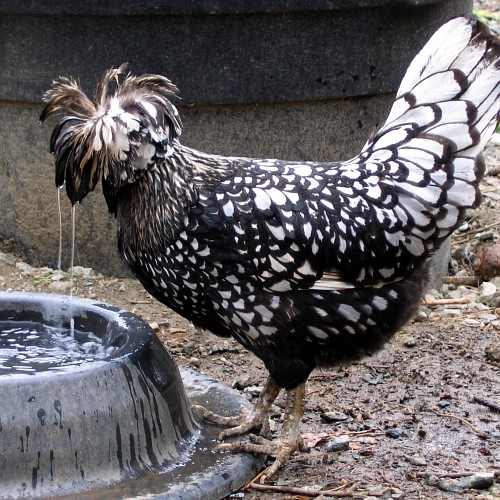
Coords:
pixel 304 263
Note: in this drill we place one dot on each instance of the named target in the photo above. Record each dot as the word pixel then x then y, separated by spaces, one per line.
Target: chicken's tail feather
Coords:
pixel 446 109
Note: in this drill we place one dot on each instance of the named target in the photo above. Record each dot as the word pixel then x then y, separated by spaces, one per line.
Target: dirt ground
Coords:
pixel 401 424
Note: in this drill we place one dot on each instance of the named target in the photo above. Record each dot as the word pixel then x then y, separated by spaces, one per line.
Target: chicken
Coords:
pixel 306 264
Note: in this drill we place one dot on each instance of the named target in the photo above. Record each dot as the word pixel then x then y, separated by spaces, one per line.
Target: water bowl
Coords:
pixel 93 405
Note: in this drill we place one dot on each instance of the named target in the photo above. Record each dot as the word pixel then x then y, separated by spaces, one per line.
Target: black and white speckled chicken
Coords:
pixel 306 264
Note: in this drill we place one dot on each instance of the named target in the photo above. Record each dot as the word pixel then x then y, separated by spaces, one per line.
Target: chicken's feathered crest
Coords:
pixel 116 136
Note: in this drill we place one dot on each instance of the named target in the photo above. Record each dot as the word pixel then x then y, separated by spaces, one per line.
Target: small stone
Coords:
pixel 450 486
pixel 371 380
pixel 85 272
pixel 487 289
pixel 122 288
pixel 493 353
pixel 410 342
pixel 487 317
pixel 416 460
pixel 421 316
pixel 397 494
pixel 395 433
pixel 487 262
pixel 330 417
pixel 194 362
pixel 188 347
pixel 471 322
pixel 443 404
pixel 60 286
pixel 219 349
pixel 154 326
pixel 433 294
pixel 243 382
pixel 253 390
pixel 479 481
pixel 493 301
pixel 446 313
pixel 25 268
pixel 339 443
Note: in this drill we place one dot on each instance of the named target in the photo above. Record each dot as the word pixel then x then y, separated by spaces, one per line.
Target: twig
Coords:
pixel 460 419
pixel 321 376
pixel 140 301
pixel 307 492
pixel 461 280
pixel 438 302
pixel 492 406
pixel 464 236
pixel 256 478
pixel 450 475
pixel 301 458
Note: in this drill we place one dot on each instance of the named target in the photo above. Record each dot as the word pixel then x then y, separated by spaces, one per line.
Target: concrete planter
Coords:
pixel 270 79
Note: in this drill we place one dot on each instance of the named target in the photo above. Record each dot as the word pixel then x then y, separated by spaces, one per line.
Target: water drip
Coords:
pixel 71 283
pixel 71 331
pixel 59 255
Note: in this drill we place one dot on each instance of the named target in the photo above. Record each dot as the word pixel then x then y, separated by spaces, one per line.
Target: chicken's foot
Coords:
pixel 256 418
pixel 289 441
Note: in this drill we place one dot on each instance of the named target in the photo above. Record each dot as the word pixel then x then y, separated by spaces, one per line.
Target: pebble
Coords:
pixel 330 417
pixel 85 272
pixel 395 433
pixel 371 380
pixel 421 316
pixel 410 342
pixel 243 382
pixel 487 289
pixel 416 460
pixel 253 390
pixel 492 300
pixel 471 322
pixel 154 326
pixel 24 268
pixel 339 443
pixel 446 313
pixel 397 494
pixel 194 362
pixel 486 236
pixel 479 481
pixel 493 353
pixel 220 348
pixel 443 404
pixel 60 286
pixel 450 486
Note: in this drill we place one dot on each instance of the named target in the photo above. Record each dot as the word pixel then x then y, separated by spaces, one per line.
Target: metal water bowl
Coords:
pixel 115 427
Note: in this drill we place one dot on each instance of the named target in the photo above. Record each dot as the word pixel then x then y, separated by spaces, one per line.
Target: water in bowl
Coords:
pixel 30 347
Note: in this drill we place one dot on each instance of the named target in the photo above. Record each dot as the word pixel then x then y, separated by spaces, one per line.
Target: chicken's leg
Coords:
pixel 257 418
pixel 290 439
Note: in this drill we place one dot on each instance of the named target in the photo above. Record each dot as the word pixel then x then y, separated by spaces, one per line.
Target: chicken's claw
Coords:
pixel 281 448
pixel 256 418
